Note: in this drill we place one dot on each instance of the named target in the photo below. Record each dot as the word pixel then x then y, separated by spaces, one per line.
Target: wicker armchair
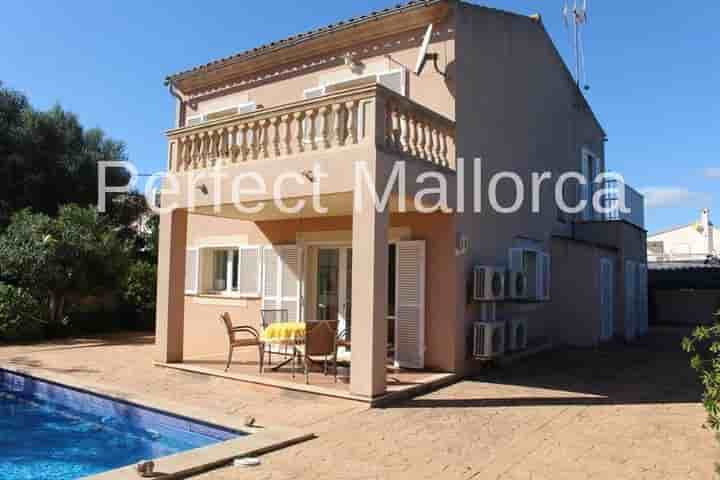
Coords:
pixel 320 345
pixel 252 339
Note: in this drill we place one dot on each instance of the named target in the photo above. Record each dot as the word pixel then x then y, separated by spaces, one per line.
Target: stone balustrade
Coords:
pixel 332 122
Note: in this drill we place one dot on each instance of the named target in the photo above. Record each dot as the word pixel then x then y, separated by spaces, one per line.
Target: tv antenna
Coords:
pixel 575 18
pixel 424 56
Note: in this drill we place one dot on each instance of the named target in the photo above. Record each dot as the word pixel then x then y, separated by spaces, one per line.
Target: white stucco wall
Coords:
pixel 687 243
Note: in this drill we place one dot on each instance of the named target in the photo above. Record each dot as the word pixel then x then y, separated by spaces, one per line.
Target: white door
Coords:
pixel 607 298
pixel 410 305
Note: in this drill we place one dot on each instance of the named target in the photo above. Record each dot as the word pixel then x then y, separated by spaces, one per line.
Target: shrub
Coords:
pixel 704 345
pixel 139 293
pixel 21 315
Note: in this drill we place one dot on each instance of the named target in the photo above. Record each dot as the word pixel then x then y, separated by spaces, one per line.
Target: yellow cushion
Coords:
pixel 283 332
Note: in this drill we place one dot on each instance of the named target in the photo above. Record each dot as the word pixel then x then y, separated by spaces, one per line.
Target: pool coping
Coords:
pixel 258 441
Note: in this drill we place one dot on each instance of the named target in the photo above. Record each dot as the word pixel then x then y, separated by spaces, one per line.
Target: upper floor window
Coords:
pixel 247 107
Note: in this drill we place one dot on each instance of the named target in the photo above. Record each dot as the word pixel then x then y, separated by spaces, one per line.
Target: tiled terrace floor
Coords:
pixel 245 368
pixel 620 412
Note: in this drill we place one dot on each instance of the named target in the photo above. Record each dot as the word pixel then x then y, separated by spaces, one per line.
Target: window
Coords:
pixel 248 107
pixel 232 271
pixel 223 271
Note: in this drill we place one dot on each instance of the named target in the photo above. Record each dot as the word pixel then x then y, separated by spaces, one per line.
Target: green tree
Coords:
pixel 76 254
pixel 704 346
pixel 47 159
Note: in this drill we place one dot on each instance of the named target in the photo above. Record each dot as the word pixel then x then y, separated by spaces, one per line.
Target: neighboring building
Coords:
pixel 684 275
pixel 346 93
pixel 688 243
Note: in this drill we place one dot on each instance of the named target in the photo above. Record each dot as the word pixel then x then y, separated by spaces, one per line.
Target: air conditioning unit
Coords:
pixel 488 340
pixel 488 284
pixel 517 334
pixel 517 285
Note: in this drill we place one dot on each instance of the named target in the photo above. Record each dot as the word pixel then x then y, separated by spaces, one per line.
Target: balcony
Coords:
pixel 370 115
pixel 611 202
pixel 634 201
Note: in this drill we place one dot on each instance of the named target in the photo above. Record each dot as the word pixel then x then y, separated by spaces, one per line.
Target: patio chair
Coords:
pixel 320 345
pixel 252 340
pixel 268 316
pixel 343 349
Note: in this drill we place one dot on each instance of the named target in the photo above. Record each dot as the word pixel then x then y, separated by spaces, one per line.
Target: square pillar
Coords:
pixel 369 294
pixel 170 307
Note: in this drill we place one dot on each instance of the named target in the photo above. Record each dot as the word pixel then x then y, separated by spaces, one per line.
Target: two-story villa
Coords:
pixel 303 112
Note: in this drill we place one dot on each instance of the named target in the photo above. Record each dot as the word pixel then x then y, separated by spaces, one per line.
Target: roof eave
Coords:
pixel 332 38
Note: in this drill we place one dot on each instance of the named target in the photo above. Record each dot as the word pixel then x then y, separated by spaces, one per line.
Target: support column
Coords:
pixel 170 307
pixel 369 293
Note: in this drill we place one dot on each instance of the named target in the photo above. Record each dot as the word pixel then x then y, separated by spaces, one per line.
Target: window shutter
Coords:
pixel 270 290
pixel 281 280
pixel 315 92
pixel 393 80
pixel 642 299
pixel 249 278
pixel 546 276
pixel 191 271
pixel 607 285
pixel 410 299
pixel 630 300
pixel 515 260
pixel 290 281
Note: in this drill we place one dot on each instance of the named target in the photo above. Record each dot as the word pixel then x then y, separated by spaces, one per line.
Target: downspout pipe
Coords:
pixel 182 103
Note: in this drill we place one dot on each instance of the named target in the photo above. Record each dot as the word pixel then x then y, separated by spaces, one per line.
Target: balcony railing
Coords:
pixel 612 203
pixel 329 123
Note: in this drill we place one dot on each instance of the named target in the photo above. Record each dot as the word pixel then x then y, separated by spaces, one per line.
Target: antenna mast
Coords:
pixel 576 17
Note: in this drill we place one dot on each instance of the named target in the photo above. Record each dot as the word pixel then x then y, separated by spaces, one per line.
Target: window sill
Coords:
pixel 224 296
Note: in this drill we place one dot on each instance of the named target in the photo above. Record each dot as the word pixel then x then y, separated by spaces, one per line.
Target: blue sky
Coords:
pixel 652 65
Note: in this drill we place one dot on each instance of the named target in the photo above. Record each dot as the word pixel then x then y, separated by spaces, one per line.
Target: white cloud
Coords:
pixel 712 173
pixel 661 197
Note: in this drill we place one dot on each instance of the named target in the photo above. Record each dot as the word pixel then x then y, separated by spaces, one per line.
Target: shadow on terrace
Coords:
pixel 653 370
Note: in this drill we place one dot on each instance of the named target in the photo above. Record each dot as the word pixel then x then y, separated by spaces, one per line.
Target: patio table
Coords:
pixel 287 333
pixel 284 334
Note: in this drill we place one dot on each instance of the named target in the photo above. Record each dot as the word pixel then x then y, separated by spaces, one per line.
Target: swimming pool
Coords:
pixel 53 432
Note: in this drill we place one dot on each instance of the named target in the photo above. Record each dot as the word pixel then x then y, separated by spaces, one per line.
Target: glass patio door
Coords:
pixel 334 285
pixel 328 284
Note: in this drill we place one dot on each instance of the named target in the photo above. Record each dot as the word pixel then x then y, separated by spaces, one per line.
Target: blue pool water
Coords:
pixel 50 432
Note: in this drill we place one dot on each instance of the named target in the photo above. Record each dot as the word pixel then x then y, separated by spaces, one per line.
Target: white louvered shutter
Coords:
pixel 545 271
pixel 191 271
pixel 410 299
pixel 393 80
pixel 606 298
pixel 270 283
pixel 630 300
pixel 250 268
pixel 289 277
pixel 516 260
pixel 642 299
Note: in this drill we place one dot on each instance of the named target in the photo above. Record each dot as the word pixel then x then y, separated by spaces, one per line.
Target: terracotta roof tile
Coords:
pixel 303 36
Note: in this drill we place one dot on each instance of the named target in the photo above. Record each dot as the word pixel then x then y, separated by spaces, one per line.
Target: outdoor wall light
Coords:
pixel 309 175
